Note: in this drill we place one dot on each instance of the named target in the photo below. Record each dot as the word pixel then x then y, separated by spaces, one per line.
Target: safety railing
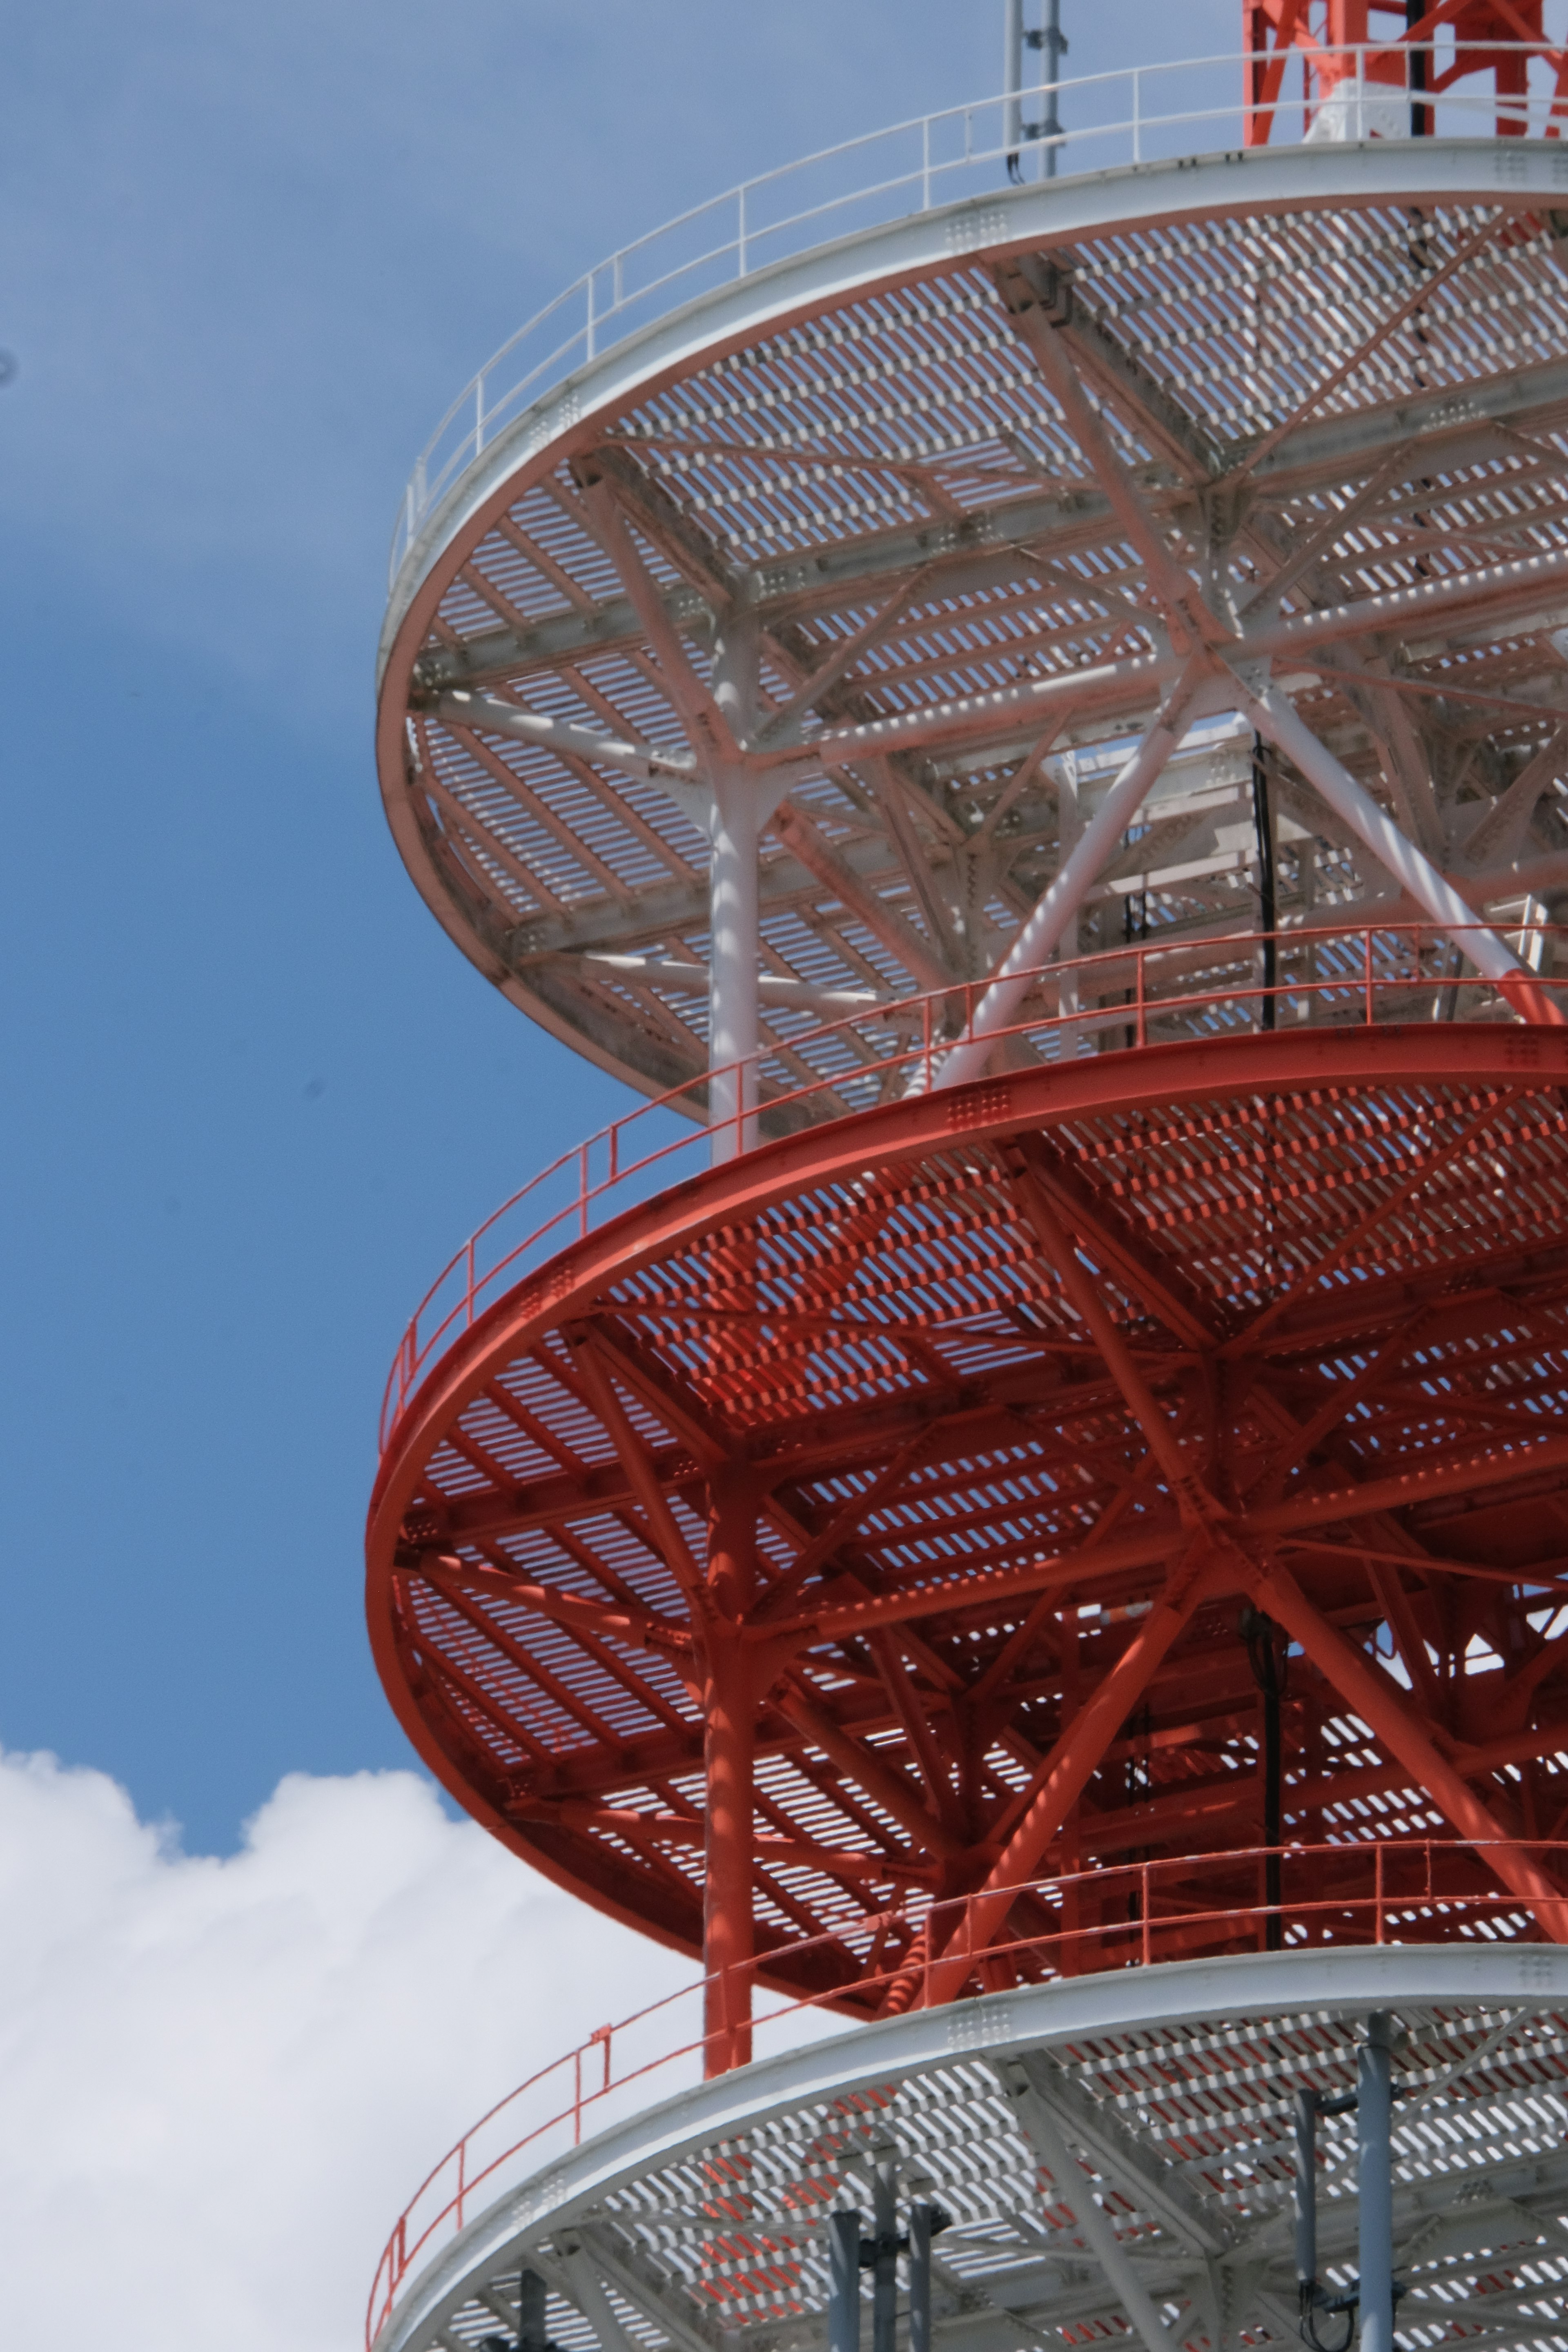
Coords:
pixel 1138 114
pixel 1392 1890
pixel 1129 998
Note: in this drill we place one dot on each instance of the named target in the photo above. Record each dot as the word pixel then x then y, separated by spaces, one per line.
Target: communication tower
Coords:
pixel 1012 681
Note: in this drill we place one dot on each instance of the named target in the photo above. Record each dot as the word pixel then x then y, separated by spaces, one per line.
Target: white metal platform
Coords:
pixel 700 2223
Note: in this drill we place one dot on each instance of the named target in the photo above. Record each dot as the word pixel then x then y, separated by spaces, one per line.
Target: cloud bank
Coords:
pixel 220 2080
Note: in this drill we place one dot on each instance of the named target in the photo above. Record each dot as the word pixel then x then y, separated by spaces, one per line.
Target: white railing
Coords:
pixel 1138 114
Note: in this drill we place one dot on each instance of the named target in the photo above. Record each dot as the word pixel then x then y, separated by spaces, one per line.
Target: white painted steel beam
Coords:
pixel 491 714
pixel 1276 717
pixel 1060 903
pixel 1024 2081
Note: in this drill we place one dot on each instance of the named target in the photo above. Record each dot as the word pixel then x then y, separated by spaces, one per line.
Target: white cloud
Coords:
pixel 220 2080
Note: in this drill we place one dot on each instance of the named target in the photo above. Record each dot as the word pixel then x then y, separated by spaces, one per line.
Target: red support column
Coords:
pixel 730 1692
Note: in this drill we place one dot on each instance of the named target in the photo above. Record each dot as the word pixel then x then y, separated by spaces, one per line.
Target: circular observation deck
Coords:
pixel 1100 644
pixel 942 479
pixel 957 1433
pixel 1114 2158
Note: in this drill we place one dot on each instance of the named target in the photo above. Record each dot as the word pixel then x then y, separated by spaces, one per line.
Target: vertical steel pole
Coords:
pixel 1011 75
pixel 1374 2099
pixel 734 932
pixel 1053 45
pixel 844 2281
pixel 1306 2188
pixel 920 2279
pixel 729 1709
pixel 885 2260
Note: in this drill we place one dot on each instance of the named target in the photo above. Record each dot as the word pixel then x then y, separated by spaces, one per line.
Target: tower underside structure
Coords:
pixel 1043 722
pixel 1022 1497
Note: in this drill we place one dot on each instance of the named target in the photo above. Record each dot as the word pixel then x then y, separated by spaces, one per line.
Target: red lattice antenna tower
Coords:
pixel 1037 726
pixel 1022 1492
pixel 1406 54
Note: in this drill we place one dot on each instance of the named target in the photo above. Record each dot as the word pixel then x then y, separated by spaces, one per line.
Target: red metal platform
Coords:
pixel 867 1522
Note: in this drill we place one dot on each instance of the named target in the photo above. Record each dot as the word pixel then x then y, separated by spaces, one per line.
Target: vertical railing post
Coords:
pixel 1143 1022
pixel 925 163
pixel 1148 1946
pixel 741 229
pixel 1377 1895
pixel 577 2097
pixel 468 1301
pixel 1366 972
pixel 478 412
pixel 583 1191
pixel 925 1041
pixel 1137 116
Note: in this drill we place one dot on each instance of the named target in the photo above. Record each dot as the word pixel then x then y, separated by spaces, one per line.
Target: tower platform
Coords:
pixel 1087 2139
pixel 1021 1498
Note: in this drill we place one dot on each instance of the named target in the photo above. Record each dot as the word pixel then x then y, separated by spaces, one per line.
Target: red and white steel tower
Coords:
pixel 1012 680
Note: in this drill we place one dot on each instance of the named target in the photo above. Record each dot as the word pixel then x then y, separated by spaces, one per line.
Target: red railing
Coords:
pixel 1145 994
pixel 1372 1891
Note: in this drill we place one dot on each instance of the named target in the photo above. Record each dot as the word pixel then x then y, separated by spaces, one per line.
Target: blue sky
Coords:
pixel 252 1095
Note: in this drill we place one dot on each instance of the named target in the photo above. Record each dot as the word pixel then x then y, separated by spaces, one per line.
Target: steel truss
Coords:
pixel 885 587
pixel 869 1524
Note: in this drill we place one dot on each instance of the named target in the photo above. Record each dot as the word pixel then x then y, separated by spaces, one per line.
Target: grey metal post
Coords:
pixel 1306 2196
pixel 1052 43
pixel 885 2254
pixel 844 2281
pixel 1375 2102
pixel 1011 73
pixel 920 2278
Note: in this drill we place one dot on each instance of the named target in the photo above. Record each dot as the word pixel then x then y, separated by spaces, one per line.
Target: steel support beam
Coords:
pixel 731 1686
pixel 1347 1671
pixel 1040 2127
pixel 1275 716
pixel 1056 909
pixel 1066 1770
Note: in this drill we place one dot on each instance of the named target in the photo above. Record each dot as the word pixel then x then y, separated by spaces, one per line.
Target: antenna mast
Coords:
pixel 1047 39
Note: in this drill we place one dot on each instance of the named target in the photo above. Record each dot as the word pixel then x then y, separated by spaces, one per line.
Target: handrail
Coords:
pixel 1324 975
pixel 933 159
pixel 1412 1896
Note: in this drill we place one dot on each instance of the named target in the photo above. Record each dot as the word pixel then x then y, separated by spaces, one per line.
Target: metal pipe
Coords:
pixel 885 2252
pixel 1374 2089
pixel 1275 716
pixel 1263 823
pixel 1052 44
pixel 1306 2195
pixel 1095 2224
pixel 1012 75
pixel 920 2278
pixel 844 2281
pixel 730 1745
pixel 1056 909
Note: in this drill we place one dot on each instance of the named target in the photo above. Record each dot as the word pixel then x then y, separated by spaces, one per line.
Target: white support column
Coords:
pixel 1054 911
pixel 732 1026
pixel 1274 715
pixel 739 813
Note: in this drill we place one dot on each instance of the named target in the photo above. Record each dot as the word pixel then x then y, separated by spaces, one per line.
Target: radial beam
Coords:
pixel 1043 2131
pixel 1347 1671
pixel 1275 716
pixel 1068 1769
pixel 1061 901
